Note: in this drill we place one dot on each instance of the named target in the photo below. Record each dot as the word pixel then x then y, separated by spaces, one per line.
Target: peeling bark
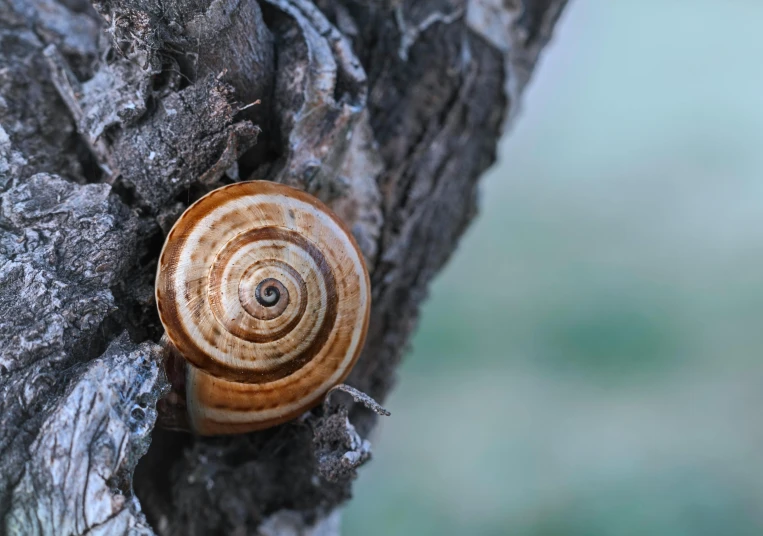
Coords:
pixel 114 117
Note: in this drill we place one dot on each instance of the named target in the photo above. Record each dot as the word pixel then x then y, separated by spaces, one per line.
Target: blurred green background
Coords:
pixel 588 364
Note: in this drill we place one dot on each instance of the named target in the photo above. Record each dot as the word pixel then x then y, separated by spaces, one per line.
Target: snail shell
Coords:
pixel 265 294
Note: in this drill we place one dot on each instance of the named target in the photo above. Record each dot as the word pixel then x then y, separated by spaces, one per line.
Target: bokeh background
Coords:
pixel 589 362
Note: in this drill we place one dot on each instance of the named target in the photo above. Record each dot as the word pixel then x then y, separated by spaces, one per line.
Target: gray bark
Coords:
pixel 114 116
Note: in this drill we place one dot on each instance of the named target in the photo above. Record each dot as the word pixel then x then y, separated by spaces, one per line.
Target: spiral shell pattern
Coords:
pixel 265 294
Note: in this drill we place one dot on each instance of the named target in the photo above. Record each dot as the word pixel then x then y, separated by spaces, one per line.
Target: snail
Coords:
pixel 265 299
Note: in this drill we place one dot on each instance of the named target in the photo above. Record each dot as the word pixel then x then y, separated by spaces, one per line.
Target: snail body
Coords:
pixel 265 299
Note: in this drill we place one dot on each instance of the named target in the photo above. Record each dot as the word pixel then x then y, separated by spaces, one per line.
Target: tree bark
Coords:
pixel 114 116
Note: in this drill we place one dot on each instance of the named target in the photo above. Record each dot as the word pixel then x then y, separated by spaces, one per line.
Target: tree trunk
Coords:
pixel 114 116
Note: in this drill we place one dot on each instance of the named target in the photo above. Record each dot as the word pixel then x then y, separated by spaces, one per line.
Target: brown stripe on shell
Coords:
pixel 218 394
pixel 185 343
pixel 257 306
pixel 250 237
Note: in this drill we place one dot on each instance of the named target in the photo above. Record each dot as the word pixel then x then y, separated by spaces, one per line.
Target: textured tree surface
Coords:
pixel 114 116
